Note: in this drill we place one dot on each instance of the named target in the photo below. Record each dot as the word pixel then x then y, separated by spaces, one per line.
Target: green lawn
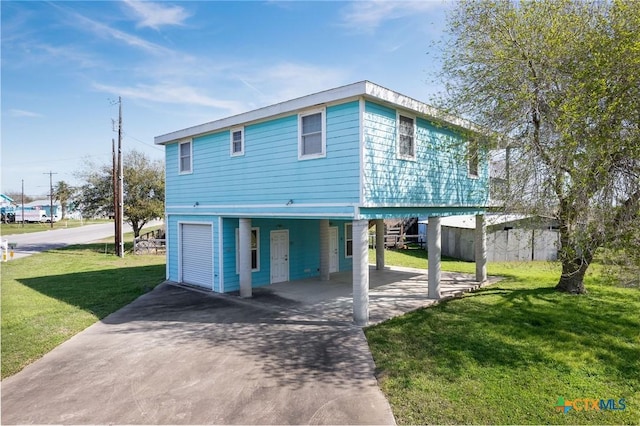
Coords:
pixel 18 228
pixel 49 297
pixel 506 353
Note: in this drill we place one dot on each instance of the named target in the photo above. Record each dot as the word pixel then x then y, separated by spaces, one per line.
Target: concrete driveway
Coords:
pixel 176 356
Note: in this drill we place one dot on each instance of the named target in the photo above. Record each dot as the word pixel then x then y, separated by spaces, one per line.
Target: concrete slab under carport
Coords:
pixel 393 291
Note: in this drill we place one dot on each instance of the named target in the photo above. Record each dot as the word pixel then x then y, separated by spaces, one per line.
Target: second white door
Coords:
pixel 333 249
pixel 279 249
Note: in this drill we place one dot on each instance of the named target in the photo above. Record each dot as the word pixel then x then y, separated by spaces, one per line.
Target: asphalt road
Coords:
pixel 36 242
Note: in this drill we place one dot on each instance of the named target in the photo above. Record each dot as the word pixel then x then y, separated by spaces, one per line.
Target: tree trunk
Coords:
pixel 136 228
pixel 572 278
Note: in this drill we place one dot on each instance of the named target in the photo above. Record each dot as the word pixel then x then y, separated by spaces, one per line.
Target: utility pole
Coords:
pixel 120 248
pixel 22 203
pixel 50 197
pixel 116 197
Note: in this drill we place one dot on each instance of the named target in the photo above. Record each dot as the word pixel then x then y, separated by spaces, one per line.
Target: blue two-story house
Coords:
pixel 290 191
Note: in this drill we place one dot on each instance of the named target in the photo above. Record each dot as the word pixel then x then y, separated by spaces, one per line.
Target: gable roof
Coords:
pixel 364 89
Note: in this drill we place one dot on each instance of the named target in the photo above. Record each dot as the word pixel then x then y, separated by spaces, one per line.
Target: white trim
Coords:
pixel 399 155
pixel 418 206
pixel 257 206
pixel 257 269
pixel 361 112
pixel 346 255
pixel 231 132
pixel 319 215
pixel 323 122
pixel 190 171
pixel 220 255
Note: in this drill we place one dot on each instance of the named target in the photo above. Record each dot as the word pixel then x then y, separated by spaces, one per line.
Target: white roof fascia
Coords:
pixel 363 88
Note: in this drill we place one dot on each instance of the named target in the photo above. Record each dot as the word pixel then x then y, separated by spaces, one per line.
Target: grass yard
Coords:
pixel 506 353
pixel 49 297
pixel 17 228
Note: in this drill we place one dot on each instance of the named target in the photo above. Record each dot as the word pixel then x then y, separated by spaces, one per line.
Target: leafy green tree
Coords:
pixel 63 193
pixel 557 82
pixel 143 189
pixel 17 197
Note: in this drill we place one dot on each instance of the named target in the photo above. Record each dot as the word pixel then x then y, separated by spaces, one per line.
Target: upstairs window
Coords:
pixel 406 137
pixel 472 158
pixel 185 157
pixel 237 142
pixel 311 135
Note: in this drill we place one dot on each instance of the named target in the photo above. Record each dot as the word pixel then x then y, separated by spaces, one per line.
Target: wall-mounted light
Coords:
pixel 289 202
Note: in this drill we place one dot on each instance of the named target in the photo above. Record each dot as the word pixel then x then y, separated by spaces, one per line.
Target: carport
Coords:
pixel 393 291
pixel 360 284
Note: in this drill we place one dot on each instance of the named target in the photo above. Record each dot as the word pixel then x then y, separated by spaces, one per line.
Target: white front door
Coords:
pixel 333 249
pixel 279 256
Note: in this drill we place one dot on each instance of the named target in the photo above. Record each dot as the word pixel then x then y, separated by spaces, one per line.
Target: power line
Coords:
pixel 142 142
pixel 50 197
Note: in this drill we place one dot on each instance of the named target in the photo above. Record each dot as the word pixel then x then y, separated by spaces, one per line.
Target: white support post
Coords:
pixel 481 249
pixel 379 244
pixel 434 247
pixel 324 250
pixel 361 272
pixel 244 249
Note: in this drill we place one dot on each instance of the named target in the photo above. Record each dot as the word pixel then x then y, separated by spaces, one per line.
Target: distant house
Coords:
pixel 6 201
pixel 7 208
pixel 508 237
pixel 290 191
pixel 45 204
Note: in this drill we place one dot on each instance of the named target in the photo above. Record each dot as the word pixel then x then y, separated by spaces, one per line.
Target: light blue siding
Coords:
pixel 304 250
pixel 260 184
pixel 437 177
pixel 269 172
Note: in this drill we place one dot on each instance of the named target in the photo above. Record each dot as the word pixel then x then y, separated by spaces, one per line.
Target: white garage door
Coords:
pixel 197 255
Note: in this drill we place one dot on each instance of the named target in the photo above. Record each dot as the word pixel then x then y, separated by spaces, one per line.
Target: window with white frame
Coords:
pixel 312 138
pixel 237 141
pixel 472 157
pixel 406 137
pixel 185 157
pixel 348 240
pixel 255 250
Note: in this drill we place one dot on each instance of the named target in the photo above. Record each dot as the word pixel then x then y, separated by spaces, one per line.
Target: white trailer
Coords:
pixel 31 215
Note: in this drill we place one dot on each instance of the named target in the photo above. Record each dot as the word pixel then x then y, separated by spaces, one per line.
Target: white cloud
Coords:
pixel 367 16
pixel 106 31
pixel 284 81
pixel 173 94
pixel 24 113
pixel 155 15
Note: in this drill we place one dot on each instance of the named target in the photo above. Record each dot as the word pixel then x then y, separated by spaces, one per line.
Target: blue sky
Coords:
pixel 179 64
